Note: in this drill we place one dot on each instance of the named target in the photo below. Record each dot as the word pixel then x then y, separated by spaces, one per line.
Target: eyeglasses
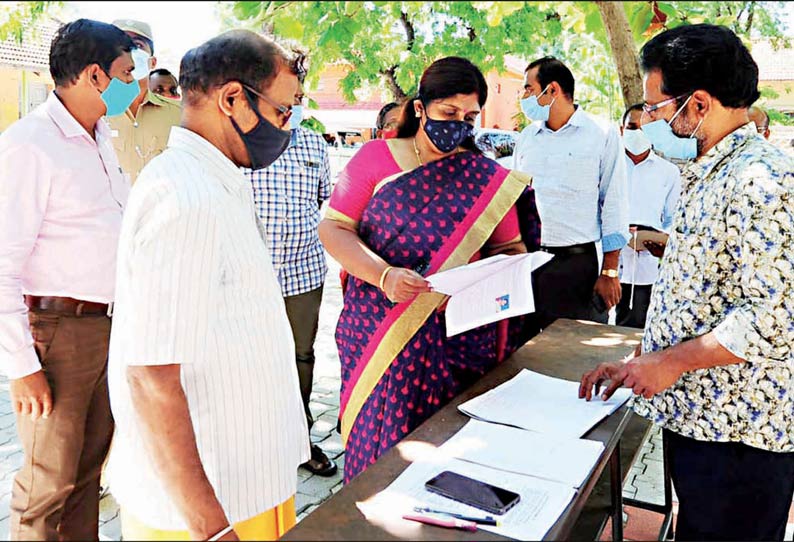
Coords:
pixel 647 108
pixel 283 110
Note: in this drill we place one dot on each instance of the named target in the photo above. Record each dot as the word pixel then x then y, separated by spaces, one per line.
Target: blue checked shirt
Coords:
pixel 288 195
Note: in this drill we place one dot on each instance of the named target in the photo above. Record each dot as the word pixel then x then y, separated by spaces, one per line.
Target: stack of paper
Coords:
pixel 559 459
pixel 544 461
pixel 542 501
pixel 544 404
pixel 488 290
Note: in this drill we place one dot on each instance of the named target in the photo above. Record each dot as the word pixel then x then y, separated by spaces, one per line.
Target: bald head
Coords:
pixel 761 120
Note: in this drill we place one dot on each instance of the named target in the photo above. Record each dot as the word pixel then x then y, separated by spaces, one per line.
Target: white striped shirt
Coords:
pixel 195 286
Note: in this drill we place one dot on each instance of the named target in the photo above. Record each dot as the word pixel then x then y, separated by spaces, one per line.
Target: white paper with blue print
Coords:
pixel 488 290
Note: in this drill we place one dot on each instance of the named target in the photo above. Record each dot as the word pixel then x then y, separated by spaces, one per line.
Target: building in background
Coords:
pixel 25 78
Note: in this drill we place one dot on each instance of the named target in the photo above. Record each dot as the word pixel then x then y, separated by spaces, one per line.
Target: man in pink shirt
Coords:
pixel 61 199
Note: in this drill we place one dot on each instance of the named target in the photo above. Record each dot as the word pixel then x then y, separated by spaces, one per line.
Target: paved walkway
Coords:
pixel 645 481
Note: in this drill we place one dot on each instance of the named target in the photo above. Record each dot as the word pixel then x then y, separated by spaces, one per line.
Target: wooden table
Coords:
pixel 566 349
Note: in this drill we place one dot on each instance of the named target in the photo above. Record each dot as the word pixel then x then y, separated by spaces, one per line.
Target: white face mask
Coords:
pixel 635 141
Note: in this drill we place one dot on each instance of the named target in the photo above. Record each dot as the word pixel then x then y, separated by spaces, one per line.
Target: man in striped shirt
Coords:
pixel 210 428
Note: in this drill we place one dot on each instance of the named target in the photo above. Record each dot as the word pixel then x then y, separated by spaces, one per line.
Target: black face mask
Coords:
pixel 447 135
pixel 264 142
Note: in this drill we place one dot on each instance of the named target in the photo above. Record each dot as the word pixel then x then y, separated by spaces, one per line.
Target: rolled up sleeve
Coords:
pixel 613 194
pixel 761 327
pixel 24 189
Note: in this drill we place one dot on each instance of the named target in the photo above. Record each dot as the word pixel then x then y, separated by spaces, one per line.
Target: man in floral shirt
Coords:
pixel 716 365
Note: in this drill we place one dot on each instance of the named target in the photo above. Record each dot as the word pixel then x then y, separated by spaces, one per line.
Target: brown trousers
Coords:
pixel 303 312
pixel 56 491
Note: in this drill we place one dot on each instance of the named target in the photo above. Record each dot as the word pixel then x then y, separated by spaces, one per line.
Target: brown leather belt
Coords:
pixel 66 305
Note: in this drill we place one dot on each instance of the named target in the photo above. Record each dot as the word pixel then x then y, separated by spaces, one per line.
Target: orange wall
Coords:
pixel 501 106
pixel 10 87
pixel 502 103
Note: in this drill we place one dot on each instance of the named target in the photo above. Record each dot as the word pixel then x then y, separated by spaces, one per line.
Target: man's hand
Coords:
pixel 613 371
pixel 609 290
pixel 651 374
pixel 657 249
pixel 646 375
pixel 31 395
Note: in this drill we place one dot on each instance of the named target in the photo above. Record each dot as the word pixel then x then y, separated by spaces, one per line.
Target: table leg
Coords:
pixel 616 485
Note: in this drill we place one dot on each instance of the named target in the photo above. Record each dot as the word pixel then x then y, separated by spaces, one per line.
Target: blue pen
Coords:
pixel 487 520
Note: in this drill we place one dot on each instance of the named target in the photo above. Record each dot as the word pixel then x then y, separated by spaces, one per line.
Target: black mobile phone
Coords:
pixel 473 492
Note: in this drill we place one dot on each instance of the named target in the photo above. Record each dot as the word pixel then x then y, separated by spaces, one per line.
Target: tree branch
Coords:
pixel 750 13
pixel 410 34
pixel 397 92
pixel 472 33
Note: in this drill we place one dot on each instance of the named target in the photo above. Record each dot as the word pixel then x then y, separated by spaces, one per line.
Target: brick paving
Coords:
pixel 644 482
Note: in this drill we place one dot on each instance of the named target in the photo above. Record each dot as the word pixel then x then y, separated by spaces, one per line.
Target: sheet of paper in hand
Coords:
pixel 488 290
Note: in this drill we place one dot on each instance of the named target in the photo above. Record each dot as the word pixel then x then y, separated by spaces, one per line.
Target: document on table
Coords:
pixel 544 404
pixel 561 459
pixel 488 290
pixel 542 501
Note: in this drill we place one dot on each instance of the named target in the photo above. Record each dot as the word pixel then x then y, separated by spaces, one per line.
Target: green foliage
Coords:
pixel 17 17
pixel 314 125
pixel 778 117
pixel 389 44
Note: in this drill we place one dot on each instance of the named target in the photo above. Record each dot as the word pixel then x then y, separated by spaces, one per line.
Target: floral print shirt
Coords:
pixel 728 268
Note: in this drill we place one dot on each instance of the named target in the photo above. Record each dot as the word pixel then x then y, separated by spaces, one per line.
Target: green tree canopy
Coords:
pixel 388 44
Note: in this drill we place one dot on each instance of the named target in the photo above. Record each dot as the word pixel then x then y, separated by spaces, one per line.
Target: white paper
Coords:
pixel 561 459
pixel 544 404
pixel 488 290
pixel 542 501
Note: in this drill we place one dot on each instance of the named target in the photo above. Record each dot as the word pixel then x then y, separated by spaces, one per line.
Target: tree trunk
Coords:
pixel 624 52
pixel 398 94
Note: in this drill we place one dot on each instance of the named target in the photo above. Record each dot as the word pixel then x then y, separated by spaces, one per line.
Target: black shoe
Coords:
pixel 320 464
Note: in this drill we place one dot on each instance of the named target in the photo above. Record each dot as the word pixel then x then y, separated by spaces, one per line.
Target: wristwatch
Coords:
pixel 611 273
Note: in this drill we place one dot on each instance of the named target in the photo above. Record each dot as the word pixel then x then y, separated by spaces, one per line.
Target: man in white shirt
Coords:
pixel 579 176
pixel 210 427
pixel 654 186
pixel 61 199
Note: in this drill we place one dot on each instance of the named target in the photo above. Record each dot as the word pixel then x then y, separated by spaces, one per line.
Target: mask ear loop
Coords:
pixel 633 272
pixel 670 122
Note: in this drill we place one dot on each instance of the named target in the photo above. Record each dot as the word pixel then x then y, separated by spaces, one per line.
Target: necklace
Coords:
pixel 416 149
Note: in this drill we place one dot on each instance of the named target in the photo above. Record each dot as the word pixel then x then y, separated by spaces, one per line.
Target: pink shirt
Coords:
pixel 373 163
pixel 61 201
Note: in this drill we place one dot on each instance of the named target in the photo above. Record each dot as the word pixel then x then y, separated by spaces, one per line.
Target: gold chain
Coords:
pixel 416 149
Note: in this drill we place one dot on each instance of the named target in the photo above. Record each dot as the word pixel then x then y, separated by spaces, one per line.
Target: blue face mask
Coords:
pixel 296 118
pixel 119 95
pixel 447 135
pixel 533 110
pixel 665 141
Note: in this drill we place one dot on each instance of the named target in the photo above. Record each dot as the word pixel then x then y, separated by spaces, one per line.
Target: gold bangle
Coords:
pixel 383 276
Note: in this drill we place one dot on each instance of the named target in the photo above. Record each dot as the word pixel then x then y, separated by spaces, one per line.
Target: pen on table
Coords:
pixel 451 523
pixel 487 520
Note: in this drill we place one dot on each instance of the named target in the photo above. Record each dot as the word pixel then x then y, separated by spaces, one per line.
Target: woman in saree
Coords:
pixel 403 209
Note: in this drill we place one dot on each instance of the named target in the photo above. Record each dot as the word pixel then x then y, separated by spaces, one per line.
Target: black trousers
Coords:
pixel 634 317
pixel 563 288
pixel 729 491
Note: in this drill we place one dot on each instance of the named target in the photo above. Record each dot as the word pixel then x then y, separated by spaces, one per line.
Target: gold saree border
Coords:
pixel 336 216
pixel 406 326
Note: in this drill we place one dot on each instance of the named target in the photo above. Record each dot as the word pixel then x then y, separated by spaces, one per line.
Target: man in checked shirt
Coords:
pixel 288 195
